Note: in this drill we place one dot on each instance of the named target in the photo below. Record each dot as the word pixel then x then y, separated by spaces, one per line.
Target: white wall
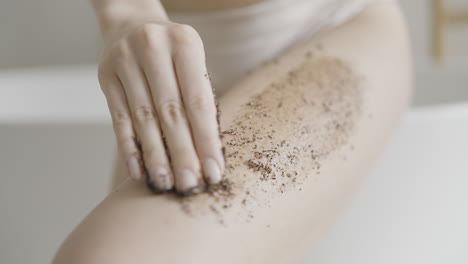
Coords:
pixel 437 82
pixel 47 32
pixel 52 175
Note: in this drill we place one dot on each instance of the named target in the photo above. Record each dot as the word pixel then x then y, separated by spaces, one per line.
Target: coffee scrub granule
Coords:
pixel 282 135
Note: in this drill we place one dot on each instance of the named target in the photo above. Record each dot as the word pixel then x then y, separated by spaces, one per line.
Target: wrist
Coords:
pixel 115 16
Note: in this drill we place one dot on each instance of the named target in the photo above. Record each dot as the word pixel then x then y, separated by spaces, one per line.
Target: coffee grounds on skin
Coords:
pixel 283 134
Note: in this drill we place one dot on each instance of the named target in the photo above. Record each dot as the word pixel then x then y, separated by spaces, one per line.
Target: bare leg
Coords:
pixel 300 133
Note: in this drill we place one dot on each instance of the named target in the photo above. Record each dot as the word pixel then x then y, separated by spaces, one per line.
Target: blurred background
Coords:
pixel 53 32
pixel 56 141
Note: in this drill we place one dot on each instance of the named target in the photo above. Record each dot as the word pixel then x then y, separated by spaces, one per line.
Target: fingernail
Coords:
pixel 134 168
pixel 161 178
pixel 212 171
pixel 187 180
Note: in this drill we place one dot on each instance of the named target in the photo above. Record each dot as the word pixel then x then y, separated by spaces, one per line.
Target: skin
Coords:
pixel 361 67
pixel 154 77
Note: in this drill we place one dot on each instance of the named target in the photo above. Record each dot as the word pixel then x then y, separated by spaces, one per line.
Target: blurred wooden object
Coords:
pixel 442 20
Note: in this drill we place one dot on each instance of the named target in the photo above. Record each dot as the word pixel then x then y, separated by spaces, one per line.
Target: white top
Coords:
pixel 240 39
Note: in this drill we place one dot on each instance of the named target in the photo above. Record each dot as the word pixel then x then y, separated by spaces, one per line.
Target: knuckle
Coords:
pixel 148 36
pixel 183 34
pixel 121 50
pixel 132 153
pixel 147 30
pixel 144 114
pixel 171 112
pixel 128 146
pixel 200 103
pixel 120 119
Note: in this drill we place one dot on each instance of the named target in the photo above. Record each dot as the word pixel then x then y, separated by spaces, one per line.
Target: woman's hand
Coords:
pixel 154 77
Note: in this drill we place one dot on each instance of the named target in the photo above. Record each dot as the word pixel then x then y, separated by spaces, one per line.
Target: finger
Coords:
pixel 166 97
pixel 122 123
pixel 146 125
pixel 200 106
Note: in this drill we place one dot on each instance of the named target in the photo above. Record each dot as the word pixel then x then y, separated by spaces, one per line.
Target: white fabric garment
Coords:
pixel 239 40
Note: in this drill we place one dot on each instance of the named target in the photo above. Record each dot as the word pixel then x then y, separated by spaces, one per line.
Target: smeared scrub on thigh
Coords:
pixel 283 134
